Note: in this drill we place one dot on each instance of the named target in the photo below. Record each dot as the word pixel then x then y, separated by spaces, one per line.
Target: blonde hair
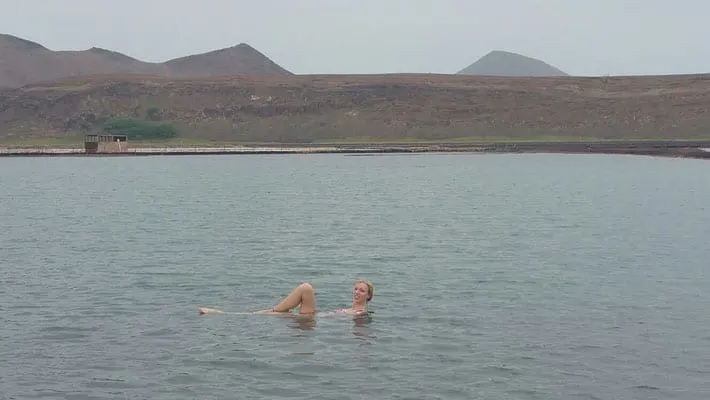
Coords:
pixel 370 288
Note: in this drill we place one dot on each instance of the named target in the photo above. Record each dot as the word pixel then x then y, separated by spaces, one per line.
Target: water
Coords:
pixel 496 277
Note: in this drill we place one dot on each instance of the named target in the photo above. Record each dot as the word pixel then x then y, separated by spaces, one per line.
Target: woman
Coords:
pixel 302 296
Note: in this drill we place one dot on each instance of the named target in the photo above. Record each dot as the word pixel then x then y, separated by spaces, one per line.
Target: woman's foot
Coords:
pixel 211 311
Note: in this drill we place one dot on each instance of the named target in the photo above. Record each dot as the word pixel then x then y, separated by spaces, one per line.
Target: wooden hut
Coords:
pixel 94 144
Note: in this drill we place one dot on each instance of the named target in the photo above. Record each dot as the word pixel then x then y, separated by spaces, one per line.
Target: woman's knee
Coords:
pixel 306 287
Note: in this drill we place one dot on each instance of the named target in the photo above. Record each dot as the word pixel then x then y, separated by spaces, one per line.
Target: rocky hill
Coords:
pixel 297 108
pixel 23 62
pixel 503 63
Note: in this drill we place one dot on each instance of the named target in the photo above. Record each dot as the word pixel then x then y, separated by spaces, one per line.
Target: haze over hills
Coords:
pixel 503 63
pixel 23 62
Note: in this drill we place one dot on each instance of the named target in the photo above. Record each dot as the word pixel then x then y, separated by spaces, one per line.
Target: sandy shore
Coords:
pixel 700 149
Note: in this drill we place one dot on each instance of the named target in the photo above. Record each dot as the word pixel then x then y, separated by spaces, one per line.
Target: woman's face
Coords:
pixel 360 293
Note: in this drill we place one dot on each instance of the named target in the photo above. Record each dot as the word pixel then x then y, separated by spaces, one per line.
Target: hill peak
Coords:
pixel 20 43
pixel 110 54
pixel 506 63
pixel 242 56
pixel 244 46
pixel 238 48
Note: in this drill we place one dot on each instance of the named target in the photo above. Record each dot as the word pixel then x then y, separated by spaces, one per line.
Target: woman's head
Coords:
pixel 363 291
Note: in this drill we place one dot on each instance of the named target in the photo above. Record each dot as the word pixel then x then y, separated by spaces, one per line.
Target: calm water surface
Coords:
pixel 496 277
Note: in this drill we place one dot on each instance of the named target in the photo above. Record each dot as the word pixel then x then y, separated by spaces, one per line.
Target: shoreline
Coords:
pixel 680 149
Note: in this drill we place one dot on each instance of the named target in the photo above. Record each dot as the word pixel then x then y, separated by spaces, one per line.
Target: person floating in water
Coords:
pixel 302 296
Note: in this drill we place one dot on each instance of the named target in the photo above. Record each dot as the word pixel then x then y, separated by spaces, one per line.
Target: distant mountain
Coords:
pixel 503 63
pixel 242 58
pixel 23 62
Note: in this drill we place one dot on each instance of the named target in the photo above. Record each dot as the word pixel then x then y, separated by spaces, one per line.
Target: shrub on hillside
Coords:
pixel 140 130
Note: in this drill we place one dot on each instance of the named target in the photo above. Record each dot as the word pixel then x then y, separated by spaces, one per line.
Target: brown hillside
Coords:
pixel 384 107
pixel 23 62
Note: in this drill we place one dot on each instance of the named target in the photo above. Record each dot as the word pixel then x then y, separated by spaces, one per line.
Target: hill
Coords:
pixel 23 62
pixel 503 63
pixel 240 59
pixel 301 109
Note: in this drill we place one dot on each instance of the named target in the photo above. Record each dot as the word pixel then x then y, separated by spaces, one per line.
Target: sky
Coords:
pixel 580 37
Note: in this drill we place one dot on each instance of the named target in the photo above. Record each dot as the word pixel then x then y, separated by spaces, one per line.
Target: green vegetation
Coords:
pixel 137 129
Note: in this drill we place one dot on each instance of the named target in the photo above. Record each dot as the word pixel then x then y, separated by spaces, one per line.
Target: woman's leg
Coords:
pixel 302 295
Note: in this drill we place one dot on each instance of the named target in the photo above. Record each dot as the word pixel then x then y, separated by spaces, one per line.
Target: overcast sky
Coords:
pixel 581 37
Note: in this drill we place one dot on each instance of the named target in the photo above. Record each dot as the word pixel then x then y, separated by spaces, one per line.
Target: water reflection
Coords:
pixel 308 323
pixel 361 330
pixel 302 322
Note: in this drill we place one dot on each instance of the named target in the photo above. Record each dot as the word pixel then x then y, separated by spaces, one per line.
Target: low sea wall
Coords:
pixel 652 148
pixel 148 151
